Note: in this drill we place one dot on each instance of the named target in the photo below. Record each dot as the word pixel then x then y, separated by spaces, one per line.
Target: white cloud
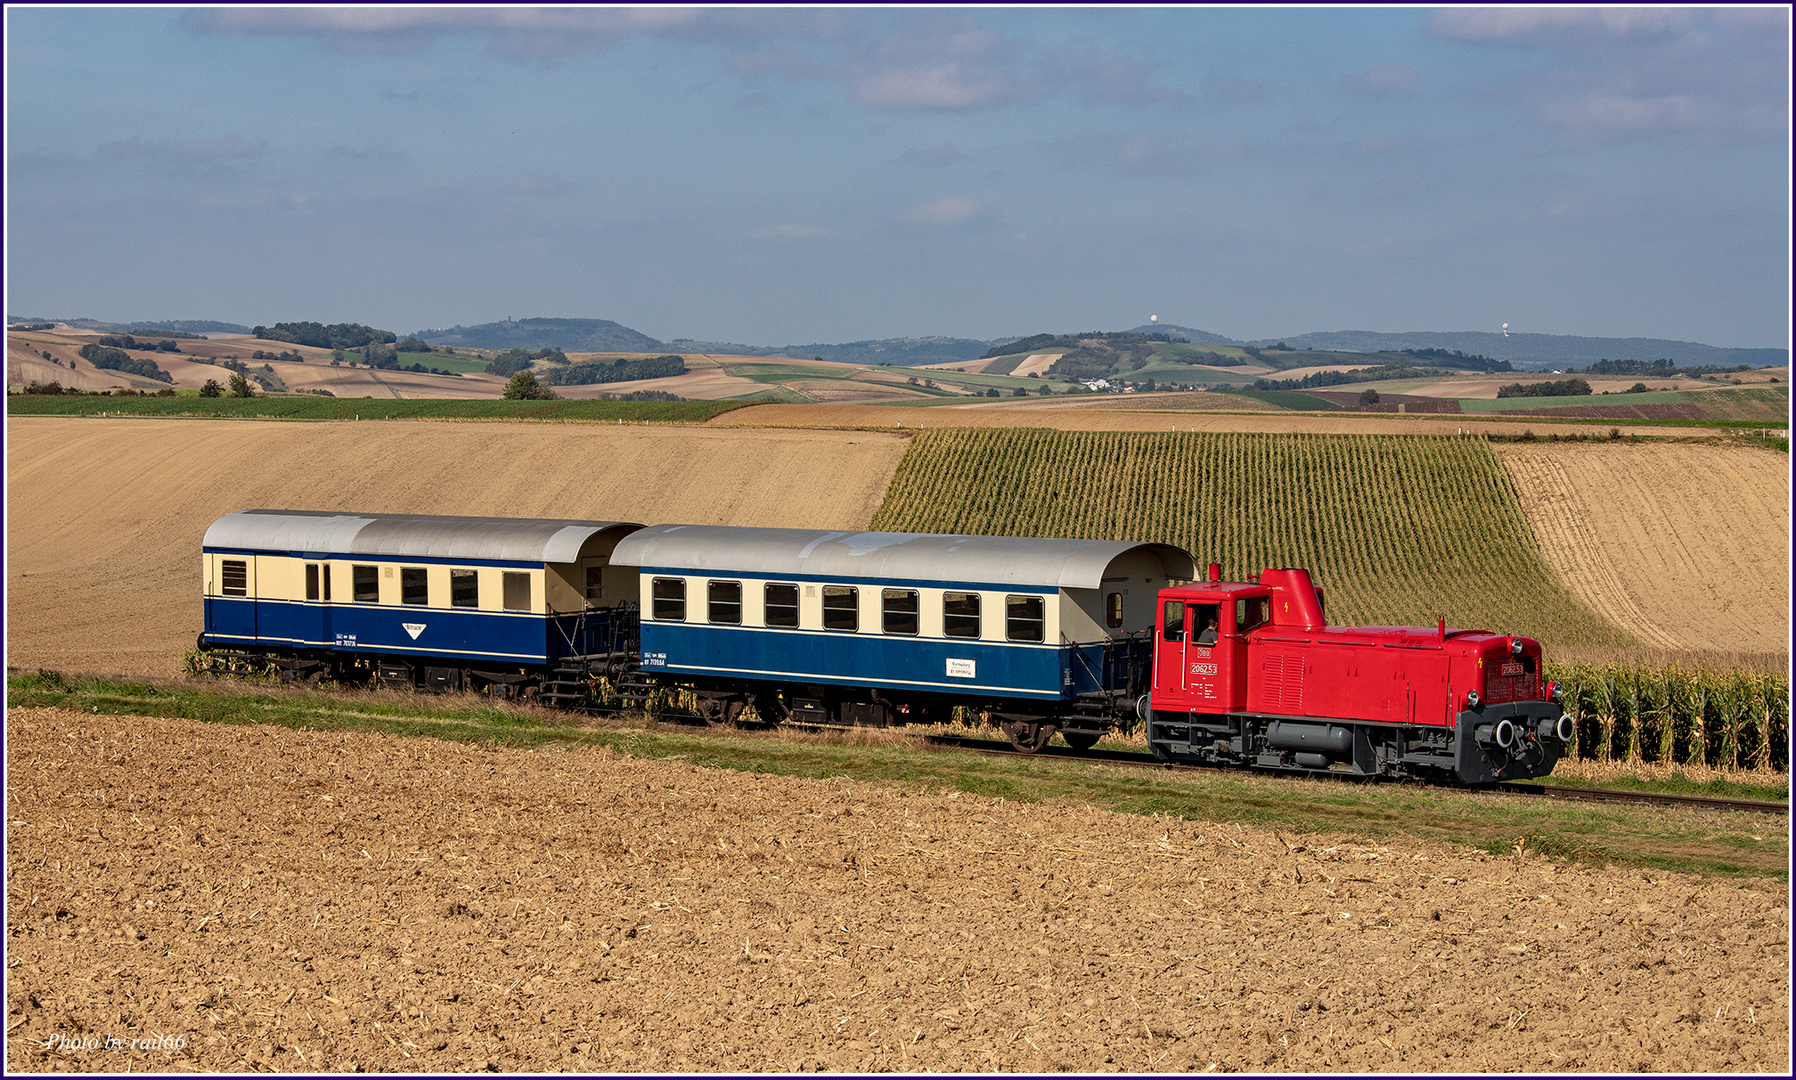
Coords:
pixel 952 210
pixel 1715 75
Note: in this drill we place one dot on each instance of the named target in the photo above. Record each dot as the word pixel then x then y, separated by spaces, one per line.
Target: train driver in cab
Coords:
pixel 1206 617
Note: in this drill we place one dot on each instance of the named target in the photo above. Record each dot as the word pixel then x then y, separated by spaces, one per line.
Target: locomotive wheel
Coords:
pixel 1029 736
pixel 1081 740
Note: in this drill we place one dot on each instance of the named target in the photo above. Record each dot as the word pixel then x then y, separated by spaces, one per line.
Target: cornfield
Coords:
pixel 1678 715
pixel 1398 530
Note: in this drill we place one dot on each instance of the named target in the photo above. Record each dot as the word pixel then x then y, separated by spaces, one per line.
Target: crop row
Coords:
pixel 1678 715
pixel 1398 530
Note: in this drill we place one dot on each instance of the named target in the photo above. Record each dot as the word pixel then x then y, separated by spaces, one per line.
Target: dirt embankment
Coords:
pixel 264 899
pixel 104 517
pixel 1687 546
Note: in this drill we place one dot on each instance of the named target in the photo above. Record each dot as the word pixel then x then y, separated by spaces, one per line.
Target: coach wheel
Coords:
pixel 1081 740
pixel 1029 736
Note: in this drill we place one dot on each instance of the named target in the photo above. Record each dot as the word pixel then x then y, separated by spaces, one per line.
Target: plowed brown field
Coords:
pixel 1687 546
pixel 268 900
pixel 104 517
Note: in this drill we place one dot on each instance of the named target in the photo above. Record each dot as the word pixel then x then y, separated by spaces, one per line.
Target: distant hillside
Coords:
pixel 568 335
pixel 1538 351
pixel 179 326
pixel 898 352
pixel 1196 337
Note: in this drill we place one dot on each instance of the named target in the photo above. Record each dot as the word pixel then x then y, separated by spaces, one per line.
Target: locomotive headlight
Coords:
pixel 1555 693
pixel 1472 700
pixel 1516 646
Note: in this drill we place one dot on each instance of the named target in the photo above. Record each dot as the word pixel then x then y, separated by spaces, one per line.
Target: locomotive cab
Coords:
pixel 1250 673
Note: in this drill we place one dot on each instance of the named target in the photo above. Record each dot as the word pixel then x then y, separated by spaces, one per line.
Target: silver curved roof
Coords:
pixel 549 540
pixel 998 560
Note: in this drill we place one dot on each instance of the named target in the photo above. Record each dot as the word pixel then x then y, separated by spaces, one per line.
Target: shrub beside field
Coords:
pixel 1397 529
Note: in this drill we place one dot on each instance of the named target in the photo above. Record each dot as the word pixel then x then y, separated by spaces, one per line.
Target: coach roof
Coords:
pixel 996 560
pixel 547 540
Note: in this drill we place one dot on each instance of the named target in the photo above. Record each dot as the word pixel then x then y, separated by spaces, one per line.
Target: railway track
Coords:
pixel 1546 791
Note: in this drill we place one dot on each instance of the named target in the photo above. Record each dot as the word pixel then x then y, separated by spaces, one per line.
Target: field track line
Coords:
pixel 1568 542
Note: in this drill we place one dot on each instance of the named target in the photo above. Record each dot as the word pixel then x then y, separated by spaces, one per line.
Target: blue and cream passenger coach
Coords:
pixel 874 627
pixel 413 599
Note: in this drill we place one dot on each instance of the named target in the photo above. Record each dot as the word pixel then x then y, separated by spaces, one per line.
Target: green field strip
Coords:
pixel 1397 529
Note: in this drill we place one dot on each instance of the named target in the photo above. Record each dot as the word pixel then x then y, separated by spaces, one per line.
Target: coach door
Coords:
pixel 315 622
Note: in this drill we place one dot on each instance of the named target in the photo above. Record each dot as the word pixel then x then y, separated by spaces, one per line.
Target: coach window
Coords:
pixel 236 577
pixel 781 602
pixel 414 586
pixel 311 581
pixel 841 607
pixel 516 589
pixel 367 584
pixel 464 588
pixel 1172 627
pixel 669 598
pixel 960 614
pixel 1250 613
pixel 1113 610
pixel 723 599
pixel 900 611
pixel 1022 618
pixel 595 585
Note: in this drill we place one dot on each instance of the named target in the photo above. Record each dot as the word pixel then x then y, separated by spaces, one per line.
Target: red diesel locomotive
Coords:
pixel 1249 673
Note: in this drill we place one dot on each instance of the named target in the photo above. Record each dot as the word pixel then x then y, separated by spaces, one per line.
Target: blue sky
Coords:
pixel 799 175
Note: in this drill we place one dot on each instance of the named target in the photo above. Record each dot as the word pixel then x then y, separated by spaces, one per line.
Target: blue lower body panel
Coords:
pixel 449 634
pixel 922 665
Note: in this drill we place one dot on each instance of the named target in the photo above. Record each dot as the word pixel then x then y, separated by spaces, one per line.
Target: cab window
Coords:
pixel 1251 613
pixel 1172 622
pixel 1205 623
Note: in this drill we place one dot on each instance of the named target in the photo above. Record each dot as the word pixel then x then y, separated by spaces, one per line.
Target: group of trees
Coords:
pixel 1559 388
pixel 285 355
pixel 1659 369
pixel 239 388
pixel 1049 342
pixel 126 341
pixel 512 361
pixel 619 370
pixel 319 336
pixel 113 358
pixel 1342 378
pixel 1461 361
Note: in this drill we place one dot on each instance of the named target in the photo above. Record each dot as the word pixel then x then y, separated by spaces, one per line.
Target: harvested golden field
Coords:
pixel 104 517
pixel 1685 545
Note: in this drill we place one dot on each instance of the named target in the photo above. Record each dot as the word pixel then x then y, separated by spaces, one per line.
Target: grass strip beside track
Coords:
pixel 308 407
pixel 1693 841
